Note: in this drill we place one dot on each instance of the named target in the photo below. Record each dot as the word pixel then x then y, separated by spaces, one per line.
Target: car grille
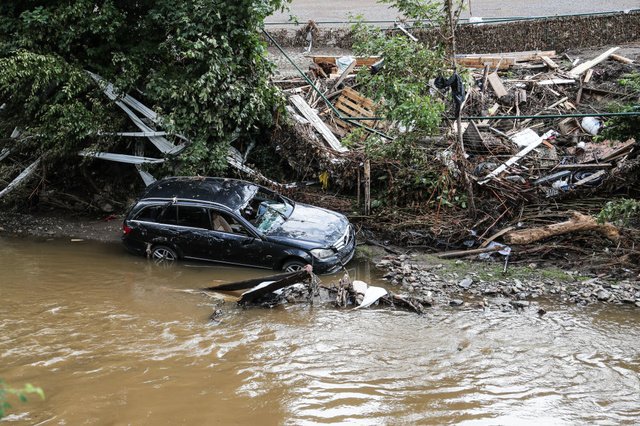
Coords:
pixel 345 239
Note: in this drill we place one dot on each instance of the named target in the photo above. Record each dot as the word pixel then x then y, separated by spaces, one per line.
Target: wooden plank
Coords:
pixel 367 187
pixel 555 81
pixel 318 124
pixel 344 74
pixel 587 76
pixel 577 71
pixel 532 55
pixel 352 104
pixel 499 62
pixel 550 63
pixel 511 161
pixel 496 84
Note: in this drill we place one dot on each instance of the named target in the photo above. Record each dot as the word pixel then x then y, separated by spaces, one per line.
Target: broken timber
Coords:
pixel 502 61
pixel 577 71
pixel 317 123
pixel 496 84
pixel 513 160
pixel 577 222
pixel 26 173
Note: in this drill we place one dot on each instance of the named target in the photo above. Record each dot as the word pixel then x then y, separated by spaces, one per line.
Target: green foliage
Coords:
pixel 201 63
pixel 402 88
pixel 21 394
pixel 623 212
pixel 631 80
pixel 405 96
pixel 622 128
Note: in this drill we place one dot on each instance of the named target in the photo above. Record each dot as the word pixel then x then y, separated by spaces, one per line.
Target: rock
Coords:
pixel 456 302
pixel 466 283
pixel 541 312
pixel 603 295
pixel 520 304
pixel 383 264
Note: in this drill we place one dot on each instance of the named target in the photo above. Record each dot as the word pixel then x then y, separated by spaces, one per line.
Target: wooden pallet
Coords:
pixel 352 104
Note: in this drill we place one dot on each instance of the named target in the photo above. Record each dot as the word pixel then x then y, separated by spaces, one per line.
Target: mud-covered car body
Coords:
pixel 238 223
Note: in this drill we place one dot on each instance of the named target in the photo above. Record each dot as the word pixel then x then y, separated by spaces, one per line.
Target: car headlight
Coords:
pixel 322 253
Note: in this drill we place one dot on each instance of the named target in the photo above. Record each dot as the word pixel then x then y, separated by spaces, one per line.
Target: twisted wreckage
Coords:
pixel 304 287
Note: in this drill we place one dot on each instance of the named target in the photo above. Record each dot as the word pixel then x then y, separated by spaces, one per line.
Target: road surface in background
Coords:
pixel 340 10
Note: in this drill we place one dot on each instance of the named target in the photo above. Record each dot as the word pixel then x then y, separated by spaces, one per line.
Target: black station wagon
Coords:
pixel 238 223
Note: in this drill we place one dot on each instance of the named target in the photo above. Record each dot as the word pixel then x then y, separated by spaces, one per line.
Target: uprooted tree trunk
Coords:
pixel 577 222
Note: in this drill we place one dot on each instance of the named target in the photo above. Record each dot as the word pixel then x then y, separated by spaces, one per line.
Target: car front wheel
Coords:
pixel 163 254
pixel 293 266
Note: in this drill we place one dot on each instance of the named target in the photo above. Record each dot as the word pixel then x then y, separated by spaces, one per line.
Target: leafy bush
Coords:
pixel 201 63
pixel 623 212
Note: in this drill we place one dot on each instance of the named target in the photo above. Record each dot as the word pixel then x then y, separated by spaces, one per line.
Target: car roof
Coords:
pixel 233 193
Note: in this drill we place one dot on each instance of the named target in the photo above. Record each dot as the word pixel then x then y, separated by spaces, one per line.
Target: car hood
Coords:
pixel 312 224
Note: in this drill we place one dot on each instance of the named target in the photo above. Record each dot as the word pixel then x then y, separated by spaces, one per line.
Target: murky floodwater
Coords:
pixel 113 339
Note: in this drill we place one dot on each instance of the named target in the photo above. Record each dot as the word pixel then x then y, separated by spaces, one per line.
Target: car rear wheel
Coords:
pixel 293 266
pixel 163 254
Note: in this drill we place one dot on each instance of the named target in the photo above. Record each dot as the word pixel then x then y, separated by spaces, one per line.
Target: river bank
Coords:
pixel 476 284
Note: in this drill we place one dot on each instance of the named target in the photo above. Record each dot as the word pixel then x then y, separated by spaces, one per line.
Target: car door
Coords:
pixel 241 245
pixel 188 228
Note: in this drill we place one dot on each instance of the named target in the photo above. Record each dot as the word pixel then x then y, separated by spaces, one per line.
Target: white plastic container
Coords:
pixel 592 125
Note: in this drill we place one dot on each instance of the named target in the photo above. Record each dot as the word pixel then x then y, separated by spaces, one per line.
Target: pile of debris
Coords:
pixel 546 153
pixel 304 287
pixel 553 149
pixel 532 141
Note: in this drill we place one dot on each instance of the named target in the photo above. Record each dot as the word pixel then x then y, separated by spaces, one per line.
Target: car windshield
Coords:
pixel 268 210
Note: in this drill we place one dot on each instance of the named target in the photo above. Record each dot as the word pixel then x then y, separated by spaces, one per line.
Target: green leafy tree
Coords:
pixel 201 63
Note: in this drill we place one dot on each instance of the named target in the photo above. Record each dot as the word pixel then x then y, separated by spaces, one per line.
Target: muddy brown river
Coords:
pixel 114 339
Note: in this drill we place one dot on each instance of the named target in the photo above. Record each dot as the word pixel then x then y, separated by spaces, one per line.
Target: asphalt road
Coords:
pixel 339 10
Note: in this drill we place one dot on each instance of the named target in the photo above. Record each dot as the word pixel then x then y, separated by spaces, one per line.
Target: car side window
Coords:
pixel 193 217
pixel 224 222
pixel 149 214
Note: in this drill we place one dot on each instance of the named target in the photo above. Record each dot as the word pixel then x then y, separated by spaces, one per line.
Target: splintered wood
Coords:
pixel 503 61
pixel 317 123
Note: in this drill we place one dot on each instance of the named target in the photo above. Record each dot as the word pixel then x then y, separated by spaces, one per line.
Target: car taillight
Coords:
pixel 126 229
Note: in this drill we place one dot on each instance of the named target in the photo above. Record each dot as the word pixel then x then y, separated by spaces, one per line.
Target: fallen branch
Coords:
pixel 578 222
